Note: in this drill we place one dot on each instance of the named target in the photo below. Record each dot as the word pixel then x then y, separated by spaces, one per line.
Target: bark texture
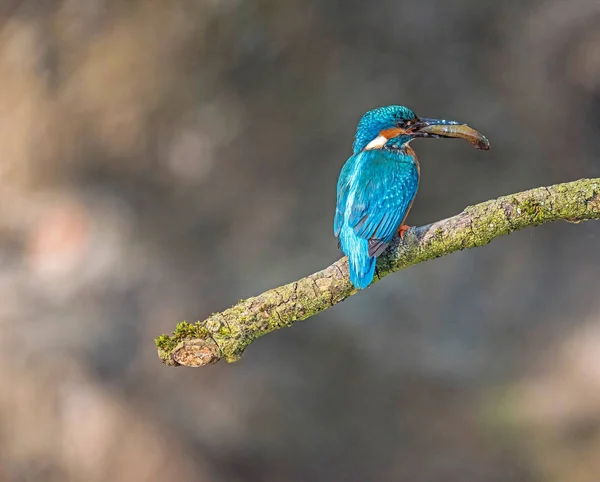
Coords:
pixel 226 335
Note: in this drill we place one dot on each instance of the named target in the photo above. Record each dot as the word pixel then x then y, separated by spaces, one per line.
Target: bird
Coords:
pixel 378 183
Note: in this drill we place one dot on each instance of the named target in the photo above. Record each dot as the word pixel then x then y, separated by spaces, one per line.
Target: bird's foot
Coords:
pixel 402 230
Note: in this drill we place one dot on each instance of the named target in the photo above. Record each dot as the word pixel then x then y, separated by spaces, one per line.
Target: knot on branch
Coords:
pixel 196 353
pixel 191 345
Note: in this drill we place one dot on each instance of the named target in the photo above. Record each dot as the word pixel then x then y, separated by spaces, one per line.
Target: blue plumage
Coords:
pixel 375 190
pixel 379 182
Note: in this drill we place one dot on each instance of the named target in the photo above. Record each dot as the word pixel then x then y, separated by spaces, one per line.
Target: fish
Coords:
pixel 460 131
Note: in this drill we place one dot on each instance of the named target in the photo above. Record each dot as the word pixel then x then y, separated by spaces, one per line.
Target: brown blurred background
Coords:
pixel 161 159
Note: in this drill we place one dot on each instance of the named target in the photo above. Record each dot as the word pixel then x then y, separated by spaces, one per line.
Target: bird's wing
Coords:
pixel 384 192
pixel 343 187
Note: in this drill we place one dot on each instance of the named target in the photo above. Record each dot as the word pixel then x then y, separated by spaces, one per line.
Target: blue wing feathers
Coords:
pixel 343 186
pixel 337 222
pixel 374 192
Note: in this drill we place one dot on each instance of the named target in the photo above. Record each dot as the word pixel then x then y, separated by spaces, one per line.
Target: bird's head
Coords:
pixel 394 126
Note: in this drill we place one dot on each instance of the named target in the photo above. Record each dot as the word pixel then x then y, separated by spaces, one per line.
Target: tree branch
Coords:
pixel 227 334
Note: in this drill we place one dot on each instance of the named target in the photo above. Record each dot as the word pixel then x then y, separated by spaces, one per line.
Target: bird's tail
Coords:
pixel 361 271
pixel 361 265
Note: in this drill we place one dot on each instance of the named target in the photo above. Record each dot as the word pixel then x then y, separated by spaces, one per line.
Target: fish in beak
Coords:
pixel 437 128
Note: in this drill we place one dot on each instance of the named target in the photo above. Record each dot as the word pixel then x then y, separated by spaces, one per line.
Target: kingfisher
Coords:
pixel 378 183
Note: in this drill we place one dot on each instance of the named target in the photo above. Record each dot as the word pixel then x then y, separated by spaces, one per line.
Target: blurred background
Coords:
pixel 161 159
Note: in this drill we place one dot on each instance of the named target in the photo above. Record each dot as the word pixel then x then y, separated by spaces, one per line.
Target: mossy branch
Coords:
pixel 227 334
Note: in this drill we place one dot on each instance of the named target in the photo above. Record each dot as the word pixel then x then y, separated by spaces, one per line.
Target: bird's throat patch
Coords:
pixel 376 143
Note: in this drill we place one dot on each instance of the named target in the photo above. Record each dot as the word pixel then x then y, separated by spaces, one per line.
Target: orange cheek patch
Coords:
pixel 391 133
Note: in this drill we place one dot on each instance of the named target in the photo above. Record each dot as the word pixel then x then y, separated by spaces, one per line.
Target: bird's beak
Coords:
pixel 437 128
